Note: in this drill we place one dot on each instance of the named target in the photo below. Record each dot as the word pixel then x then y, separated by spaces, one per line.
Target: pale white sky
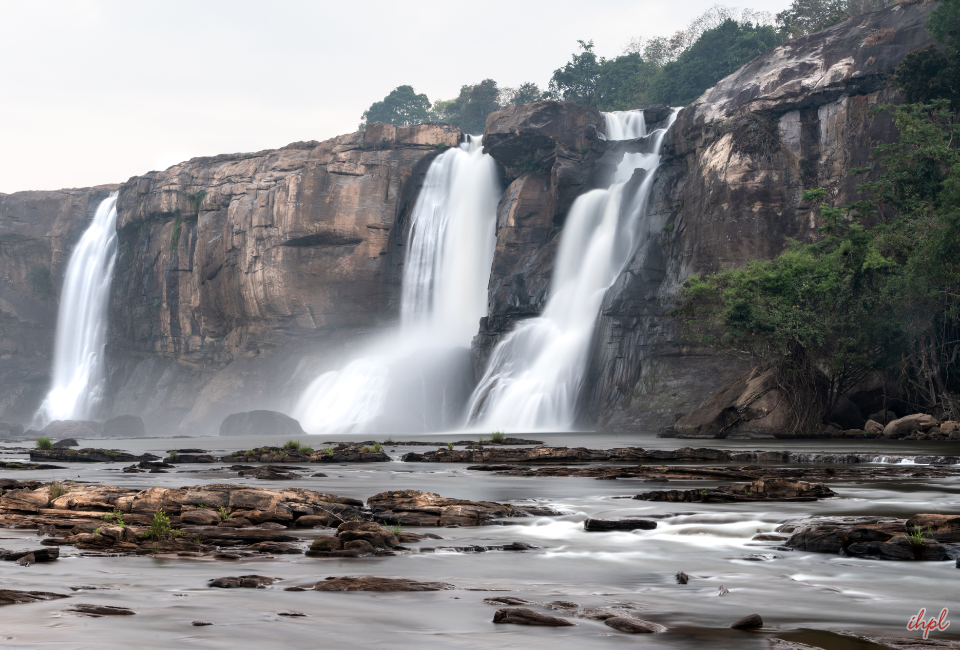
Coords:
pixel 96 91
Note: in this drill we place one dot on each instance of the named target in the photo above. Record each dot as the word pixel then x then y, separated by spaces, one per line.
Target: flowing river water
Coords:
pixel 801 596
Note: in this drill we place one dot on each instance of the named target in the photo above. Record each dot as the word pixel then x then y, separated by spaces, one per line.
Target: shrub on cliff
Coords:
pixel 934 72
pixel 403 106
pixel 879 290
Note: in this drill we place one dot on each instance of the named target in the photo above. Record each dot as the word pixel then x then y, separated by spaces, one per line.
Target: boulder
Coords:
pixel 73 429
pixel 847 415
pixel 124 426
pixel 66 443
pixel 96 611
pixel 13 597
pixel 950 426
pixel 634 625
pixel 10 430
pixel 749 622
pixel 909 424
pixel 752 406
pixel 243 582
pixel 873 427
pixel 25 500
pixel 883 417
pixel 47 554
pixel 373 533
pixel 200 517
pixel 524 616
pixel 260 423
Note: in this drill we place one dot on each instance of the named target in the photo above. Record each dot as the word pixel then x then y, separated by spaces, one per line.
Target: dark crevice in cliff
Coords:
pixel 323 239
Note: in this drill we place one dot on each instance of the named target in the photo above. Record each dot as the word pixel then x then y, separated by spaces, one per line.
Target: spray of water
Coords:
pixel 79 378
pixel 413 379
pixel 535 373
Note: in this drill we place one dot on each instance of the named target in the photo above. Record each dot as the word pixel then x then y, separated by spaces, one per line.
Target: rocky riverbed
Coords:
pixel 810 542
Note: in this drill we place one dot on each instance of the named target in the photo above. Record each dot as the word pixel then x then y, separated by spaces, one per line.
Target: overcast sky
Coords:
pixel 96 91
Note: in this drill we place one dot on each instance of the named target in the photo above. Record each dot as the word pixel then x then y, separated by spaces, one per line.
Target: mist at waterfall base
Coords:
pixel 535 374
pixel 419 377
pixel 79 378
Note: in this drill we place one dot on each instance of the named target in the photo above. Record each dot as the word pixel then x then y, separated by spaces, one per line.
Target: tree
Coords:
pixel 522 94
pixel 717 53
pixel 403 107
pixel 934 73
pixel 577 80
pixel 470 109
pixel 809 16
pixel 623 83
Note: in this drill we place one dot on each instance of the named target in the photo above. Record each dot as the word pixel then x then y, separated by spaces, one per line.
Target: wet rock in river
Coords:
pixel 634 625
pixel 14 597
pixel 354 539
pixel 682 578
pixel 506 600
pixel 96 611
pixel 293 614
pixel 66 443
pixel 243 582
pixel 749 622
pixel 943 528
pixel 201 623
pixel 870 537
pixel 47 554
pixel 27 560
pixel 419 508
pixel 524 616
pixel 370 583
pixel 600 525
pixel 760 490
pixel 200 517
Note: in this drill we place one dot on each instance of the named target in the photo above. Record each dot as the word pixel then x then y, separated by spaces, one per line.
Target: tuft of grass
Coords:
pixel 112 453
pixel 56 490
pixel 388 441
pixel 97 531
pixel 498 436
pixel 377 448
pixel 916 538
pixel 509 507
pixel 224 514
pixel 44 443
pixel 396 529
pixel 450 446
pixel 328 450
pixel 174 456
pixel 296 445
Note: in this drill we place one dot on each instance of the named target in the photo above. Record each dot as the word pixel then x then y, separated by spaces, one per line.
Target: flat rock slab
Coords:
pixel 96 611
pixel 419 508
pixel 13 597
pixel 379 584
pixel 524 616
pixel 634 625
pixel 760 490
pixel 243 582
pixel 601 525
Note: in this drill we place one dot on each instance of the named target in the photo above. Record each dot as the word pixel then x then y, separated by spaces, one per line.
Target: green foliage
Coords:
pixel 44 443
pixel 609 84
pixel 175 237
pixel 296 445
pixel 38 276
pixel 934 73
pixel 522 94
pixel 449 446
pixel 224 513
pixel 388 441
pixel 116 517
pixel 403 106
pixel 916 537
pixel 717 53
pixel 55 490
pixel 174 456
pixel 160 528
pixel 880 290
pixel 809 16
pixel 396 529
pixel 111 453
pixel 157 302
pixel 196 198
pixel 328 450
pixel 498 436
pixel 470 109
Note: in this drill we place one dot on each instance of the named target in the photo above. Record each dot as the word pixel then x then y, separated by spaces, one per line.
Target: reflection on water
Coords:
pixel 792 591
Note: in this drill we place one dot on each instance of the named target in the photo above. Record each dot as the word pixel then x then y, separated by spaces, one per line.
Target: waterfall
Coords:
pixel 79 378
pixel 535 373
pixel 419 377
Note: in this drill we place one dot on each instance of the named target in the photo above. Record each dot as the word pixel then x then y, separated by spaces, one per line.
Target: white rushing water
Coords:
pixel 413 379
pixel 79 378
pixel 535 373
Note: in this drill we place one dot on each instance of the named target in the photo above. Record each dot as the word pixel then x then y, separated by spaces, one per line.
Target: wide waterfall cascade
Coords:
pixel 79 377
pixel 413 378
pixel 534 375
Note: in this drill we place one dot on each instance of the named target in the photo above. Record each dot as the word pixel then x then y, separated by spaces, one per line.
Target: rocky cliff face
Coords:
pixel 730 188
pixel 37 232
pixel 239 269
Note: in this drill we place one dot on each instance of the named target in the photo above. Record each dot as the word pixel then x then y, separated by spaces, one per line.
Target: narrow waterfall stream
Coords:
pixel 413 379
pixel 79 378
pixel 535 373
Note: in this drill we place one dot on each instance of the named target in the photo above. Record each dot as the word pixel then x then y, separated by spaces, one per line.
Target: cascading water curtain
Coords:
pixel 535 373
pixel 447 268
pixel 79 377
